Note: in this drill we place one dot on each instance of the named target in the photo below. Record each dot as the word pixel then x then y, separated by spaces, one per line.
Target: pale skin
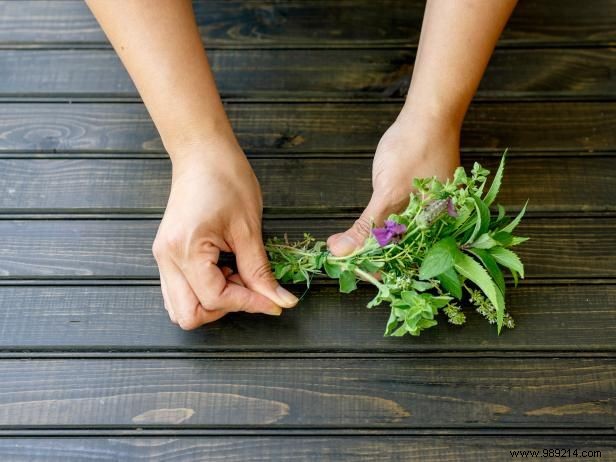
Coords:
pixel 215 200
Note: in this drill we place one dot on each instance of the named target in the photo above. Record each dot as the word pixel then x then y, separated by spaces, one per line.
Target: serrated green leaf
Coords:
pixel 451 282
pixel 484 241
pixel 490 264
pixel 503 238
pixel 511 226
pixel 439 258
pixel 482 223
pixel 516 240
pixel 348 282
pixel 472 270
pixel 508 259
pixel 496 182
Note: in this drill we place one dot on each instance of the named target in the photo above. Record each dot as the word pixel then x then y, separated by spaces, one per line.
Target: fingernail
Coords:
pixel 276 312
pixel 345 245
pixel 287 297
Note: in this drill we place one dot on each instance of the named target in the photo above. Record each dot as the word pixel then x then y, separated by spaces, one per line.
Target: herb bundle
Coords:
pixel 444 244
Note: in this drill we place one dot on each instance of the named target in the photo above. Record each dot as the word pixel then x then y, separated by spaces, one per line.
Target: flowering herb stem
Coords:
pixel 445 244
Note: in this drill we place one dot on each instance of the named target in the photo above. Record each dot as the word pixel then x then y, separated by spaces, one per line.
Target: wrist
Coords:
pixel 213 148
pixel 443 115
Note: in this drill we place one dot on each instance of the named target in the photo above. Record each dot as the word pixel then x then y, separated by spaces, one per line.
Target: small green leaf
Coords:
pixel 511 226
pixel 516 240
pixel 483 219
pixel 496 182
pixel 439 258
pixel 470 269
pixel 421 286
pixel 333 269
pixel 484 241
pixel 348 282
pixel 490 264
pixel 370 266
pixel 508 259
pixel 451 282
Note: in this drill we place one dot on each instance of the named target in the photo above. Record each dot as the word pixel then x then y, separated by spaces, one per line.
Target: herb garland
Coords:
pixel 446 242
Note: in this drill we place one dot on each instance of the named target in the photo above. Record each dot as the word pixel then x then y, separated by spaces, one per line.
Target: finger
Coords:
pixel 342 244
pixel 236 279
pixel 256 272
pixel 167 303
pixel 186 309
pixel 226 271
pixel 217 293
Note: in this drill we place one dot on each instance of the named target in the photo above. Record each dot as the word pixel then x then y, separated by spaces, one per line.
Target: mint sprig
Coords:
pixel 445 243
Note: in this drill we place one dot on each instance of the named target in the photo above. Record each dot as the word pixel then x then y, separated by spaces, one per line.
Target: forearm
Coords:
pixel 456 42
pixel 160 46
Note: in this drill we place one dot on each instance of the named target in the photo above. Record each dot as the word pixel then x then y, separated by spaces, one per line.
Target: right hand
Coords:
pixel 215 205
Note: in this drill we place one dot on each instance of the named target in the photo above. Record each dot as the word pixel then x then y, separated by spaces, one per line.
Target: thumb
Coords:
pixel 256 273
pixel 342 244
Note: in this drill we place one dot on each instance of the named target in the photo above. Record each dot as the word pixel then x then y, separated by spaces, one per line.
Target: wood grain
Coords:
pixel 422 393
pixel 551 184
pixel 283 127
pixel 325 449
pixel 561 317
pixel 318 73
pixel 323 23
pixel 559 247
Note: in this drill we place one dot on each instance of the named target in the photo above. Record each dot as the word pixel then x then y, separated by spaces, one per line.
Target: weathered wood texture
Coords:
pixel 561 317
pixel 275 74
pixel 296 449
pixel 374 392
pixel 310 86
pixel 558 248
pixel 317 127
pixel 552 184
pixel 295 23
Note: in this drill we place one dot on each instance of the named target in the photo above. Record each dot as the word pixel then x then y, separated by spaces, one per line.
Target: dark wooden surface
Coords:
pixel 92 369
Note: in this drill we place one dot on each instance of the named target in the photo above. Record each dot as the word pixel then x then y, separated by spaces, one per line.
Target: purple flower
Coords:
pixel 390 232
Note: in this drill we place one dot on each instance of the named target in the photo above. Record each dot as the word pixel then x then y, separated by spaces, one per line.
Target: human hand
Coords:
pixel 215 205
pixel 413 146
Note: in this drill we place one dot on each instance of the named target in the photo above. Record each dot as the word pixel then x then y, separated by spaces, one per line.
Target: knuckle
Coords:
pixel 362 226
pixel 263 270
pixel 188 322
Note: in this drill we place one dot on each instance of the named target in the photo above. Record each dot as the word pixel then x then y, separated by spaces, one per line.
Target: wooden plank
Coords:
pixel 559 247
pixel 573 317
pixel 551 184
pixel 284 127
pixel 306 128
pixel 316 73
pixel 324 23
pixel 322 448
pixel 383 392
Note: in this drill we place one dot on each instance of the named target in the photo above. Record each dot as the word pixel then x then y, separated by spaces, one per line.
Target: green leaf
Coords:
pixel 490 264
pixel 511 226
pixel 516 240
pixel 508 259
pixel 333 269
pixel 451 282
pixel 501 212
pixel 421 286
pixel 483 219
pixel 470 269
pixel 348 282
pixel 439 258
pixel 370 266
pixel 496 182
pixel 484 241
pixel 503 238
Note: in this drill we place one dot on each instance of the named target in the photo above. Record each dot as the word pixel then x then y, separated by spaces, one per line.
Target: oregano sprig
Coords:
pixel 445 244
